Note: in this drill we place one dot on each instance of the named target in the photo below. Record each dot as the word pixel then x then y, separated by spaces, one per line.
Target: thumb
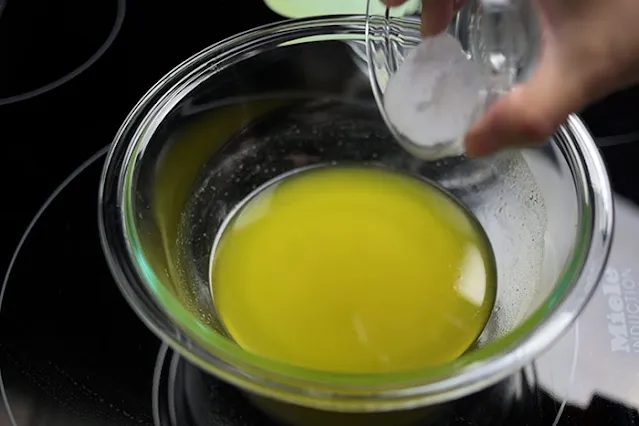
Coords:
pixel 530 113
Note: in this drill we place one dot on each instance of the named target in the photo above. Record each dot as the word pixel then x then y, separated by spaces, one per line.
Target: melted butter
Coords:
pixel 353 270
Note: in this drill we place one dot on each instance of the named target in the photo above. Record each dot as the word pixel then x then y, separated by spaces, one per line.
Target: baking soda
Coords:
pixel 436 95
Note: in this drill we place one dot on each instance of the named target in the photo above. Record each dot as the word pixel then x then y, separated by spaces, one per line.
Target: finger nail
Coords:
pixel 436 15
pixel 478 146
pixel 480 143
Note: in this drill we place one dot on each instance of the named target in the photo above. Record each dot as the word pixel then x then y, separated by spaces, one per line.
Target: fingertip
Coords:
pixel 475 149
pixel 479 141
pixel 483 144
pixel 482 139
pixel 436 16
pixel 505 125
pixel 433 28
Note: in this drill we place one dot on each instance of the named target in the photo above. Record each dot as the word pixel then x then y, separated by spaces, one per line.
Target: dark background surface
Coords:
pixel 66 334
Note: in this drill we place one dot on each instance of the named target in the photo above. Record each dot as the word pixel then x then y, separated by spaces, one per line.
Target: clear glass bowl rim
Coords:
pixel 165 316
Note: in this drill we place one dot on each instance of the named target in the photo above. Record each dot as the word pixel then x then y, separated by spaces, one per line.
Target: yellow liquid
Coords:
pixel 353 270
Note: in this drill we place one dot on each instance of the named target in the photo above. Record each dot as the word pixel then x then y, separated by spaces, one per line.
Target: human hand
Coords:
pixel 590 49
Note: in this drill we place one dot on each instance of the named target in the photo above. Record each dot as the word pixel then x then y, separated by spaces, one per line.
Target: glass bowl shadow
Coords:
pixel 296 94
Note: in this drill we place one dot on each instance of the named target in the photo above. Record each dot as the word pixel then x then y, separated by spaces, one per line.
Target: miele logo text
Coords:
pixel 622 299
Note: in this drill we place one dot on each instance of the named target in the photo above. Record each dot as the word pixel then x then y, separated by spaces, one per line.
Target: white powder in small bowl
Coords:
pixel 436 95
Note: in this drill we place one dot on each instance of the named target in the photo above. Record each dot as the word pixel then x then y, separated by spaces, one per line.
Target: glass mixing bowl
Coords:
pixel 294 94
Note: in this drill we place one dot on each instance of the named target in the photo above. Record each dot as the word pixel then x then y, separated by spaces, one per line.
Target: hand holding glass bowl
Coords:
pixel 590 49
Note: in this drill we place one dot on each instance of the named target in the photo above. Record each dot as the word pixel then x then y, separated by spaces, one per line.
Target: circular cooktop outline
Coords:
pixel 571 379
pixel 166 367
pixel 160 361
pixel 115 30
pixel 85 165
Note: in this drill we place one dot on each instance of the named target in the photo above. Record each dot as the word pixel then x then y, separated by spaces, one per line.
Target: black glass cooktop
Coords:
pixel 72 352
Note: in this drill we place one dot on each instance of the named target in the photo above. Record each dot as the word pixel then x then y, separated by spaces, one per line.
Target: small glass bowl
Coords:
pixel 294 94
pixel 503 40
